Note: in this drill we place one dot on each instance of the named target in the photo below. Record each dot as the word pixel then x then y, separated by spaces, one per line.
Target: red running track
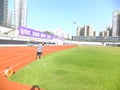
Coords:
pixel 17 58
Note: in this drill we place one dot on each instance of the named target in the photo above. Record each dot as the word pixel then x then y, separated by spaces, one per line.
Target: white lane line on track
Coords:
pixel 10 60
pixel 10 55
pixel 23 62
pixel 18 51
pixel 19 64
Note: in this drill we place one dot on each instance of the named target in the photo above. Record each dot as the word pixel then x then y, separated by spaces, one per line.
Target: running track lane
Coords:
pixel 17 58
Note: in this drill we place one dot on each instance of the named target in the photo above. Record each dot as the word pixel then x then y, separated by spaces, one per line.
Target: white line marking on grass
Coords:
pixel 92 73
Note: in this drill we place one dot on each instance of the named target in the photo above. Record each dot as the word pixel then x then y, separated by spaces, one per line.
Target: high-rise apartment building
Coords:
pixel 103 33
pixel 65 35
pixel 116 24
pixel 87 30
pixel 20 13
pixel 3 12
pixel 9 18
pixel 58 32
pixel 107 32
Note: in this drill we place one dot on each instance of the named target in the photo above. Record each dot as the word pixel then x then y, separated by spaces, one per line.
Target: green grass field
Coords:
pixel 80 68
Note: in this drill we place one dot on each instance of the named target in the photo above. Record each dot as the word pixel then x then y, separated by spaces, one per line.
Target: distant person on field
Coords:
pixel 39 50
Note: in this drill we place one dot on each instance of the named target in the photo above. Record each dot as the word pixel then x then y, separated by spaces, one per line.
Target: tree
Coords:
pixel 47 32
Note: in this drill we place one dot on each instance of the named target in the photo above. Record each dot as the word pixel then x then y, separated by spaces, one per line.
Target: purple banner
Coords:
pixel 34 33
pixel 24 31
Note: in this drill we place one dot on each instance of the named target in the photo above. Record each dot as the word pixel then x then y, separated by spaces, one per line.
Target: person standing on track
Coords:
pixel 39 50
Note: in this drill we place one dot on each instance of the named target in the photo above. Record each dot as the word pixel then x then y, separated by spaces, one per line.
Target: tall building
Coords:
pixel 9 18
pixel 20 13
pixel 87 30
pixel 116 24
pixel 58 32
pixel 66 35
pixel 109 31
pixel 3 12
pixel 103 33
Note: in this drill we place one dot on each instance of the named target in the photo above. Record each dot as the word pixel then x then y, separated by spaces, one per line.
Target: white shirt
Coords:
pixel 40 48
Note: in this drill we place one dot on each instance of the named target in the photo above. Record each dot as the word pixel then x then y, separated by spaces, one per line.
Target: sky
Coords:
pixel 54 14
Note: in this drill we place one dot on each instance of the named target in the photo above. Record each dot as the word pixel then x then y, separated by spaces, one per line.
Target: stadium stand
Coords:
pixel 11 37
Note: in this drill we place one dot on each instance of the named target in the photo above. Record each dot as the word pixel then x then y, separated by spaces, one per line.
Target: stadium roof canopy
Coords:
pixel 4 29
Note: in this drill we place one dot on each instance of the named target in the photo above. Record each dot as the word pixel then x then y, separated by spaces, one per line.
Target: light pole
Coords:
pixel 75 23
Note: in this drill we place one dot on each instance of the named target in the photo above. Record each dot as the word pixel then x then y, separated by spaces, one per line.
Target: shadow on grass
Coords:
pixel 35 87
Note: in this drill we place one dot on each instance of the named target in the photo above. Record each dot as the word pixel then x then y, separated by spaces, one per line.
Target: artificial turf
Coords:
pixel 80 68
